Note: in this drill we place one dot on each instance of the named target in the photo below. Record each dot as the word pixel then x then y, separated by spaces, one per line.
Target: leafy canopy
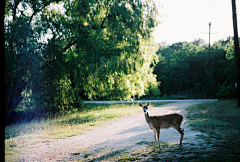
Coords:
pixel 58 53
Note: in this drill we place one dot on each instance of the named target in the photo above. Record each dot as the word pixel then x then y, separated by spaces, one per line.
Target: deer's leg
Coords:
pixel 158 136
pixel 180 130
pixel 155 133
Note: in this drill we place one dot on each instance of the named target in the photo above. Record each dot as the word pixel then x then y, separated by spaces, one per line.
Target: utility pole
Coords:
pixel 209 47
pixel 209 51
pixel 236 46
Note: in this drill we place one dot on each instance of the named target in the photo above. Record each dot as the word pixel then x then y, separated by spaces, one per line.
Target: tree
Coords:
pixel 60 52
pixel 109 36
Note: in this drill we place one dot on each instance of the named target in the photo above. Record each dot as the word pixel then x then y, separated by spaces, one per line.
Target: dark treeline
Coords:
pixel 185 69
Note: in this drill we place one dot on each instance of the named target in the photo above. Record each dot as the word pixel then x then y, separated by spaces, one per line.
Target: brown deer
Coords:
pixel 166 121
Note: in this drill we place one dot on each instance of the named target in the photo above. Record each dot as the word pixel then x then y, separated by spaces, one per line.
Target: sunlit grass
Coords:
pixel 219 120
pixel 19 138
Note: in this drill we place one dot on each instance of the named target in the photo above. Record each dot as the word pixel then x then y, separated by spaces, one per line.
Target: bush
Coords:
pixel 227 92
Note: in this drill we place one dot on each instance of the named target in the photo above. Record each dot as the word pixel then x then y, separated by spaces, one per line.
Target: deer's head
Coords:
pixel 145 108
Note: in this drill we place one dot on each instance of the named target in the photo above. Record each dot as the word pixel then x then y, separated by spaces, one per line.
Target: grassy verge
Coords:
pixel 169 153
pixel 220 120
pixel 19 138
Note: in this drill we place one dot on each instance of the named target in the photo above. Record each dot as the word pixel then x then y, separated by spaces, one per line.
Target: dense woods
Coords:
pixel 185 69
pixel 59 53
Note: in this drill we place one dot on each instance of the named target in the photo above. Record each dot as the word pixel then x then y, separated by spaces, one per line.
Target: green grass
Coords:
pixel 19 138
pixel 172 153
pixel 145 153
pixel 127 158
pixel 220 120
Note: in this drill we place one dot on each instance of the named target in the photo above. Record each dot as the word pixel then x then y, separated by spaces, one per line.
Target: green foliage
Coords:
pixel 61 52
pixel 112 41
pixel 184 68
pixel 112 80
pixel 227 92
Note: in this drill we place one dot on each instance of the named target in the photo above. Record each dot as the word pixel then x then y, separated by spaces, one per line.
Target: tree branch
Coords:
pixel 36 10
pixel 31 17
pixel 14 105
pixel 103 22
pixel 101 27
pixel 69 44
pixel 15 9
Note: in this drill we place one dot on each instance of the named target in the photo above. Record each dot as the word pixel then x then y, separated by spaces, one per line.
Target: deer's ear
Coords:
pixel 140 104
pixel 148 104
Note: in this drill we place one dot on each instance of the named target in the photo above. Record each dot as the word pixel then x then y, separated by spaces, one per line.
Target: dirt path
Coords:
pixel 118 135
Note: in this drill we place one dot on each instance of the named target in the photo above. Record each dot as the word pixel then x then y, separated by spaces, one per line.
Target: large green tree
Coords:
pixel 60 52
pixel 113 38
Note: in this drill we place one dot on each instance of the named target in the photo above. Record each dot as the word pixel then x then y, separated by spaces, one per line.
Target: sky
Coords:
pixel 187 20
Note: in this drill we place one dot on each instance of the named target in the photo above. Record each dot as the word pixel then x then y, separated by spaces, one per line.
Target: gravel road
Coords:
pixel 118 135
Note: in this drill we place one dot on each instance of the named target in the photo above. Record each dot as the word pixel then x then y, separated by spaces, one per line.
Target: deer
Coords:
pixel 165 121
